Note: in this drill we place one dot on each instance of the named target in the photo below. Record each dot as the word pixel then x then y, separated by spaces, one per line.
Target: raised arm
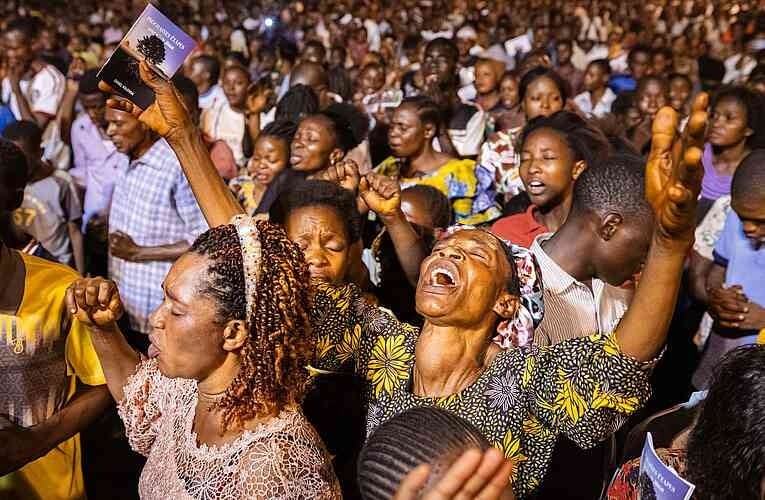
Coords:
pixel 673 182
pixel 170 119
pixel 383 196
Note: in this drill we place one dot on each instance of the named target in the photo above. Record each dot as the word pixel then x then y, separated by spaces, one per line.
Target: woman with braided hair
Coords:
pixel 472 292
pixel 215 407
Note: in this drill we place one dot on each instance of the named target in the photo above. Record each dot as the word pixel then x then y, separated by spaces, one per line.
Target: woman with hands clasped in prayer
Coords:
pixel 471 291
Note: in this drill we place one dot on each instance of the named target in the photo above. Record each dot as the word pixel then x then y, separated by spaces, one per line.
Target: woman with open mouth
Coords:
pixel 471 293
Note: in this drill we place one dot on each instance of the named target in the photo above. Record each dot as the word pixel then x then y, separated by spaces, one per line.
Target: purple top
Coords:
pixel 714 185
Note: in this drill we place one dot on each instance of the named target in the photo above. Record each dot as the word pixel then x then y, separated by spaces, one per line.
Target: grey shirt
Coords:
pixel 49 205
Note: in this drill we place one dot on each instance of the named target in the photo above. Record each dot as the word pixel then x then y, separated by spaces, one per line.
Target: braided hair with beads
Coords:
pixel 272 374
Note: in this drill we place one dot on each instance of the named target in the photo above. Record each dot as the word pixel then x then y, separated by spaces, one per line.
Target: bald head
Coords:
pixel 310 74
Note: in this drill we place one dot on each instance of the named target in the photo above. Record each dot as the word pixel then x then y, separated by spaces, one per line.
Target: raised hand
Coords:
pixel 345 173
pixel 259 96
pixel 673 172
pixel 95 302
pixel 168 113
pixel 381 194
pixel 475 475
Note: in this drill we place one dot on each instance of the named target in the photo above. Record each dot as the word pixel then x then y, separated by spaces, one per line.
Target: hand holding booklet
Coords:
pixel 658 481
pixel 155 39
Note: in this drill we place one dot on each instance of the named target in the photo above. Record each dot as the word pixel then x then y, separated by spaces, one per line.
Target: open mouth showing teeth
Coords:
pixel 442 277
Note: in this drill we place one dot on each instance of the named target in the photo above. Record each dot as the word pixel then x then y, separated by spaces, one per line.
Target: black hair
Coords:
pixel 264 50
pixel 565 41
pixel 754 104
pixel 623 103
pixel 643 83
pixel 585 141
pixel 411 41
pixel 666 52
pixel 287 50
pixel 341 49
pixel 314 193
pixel 439 206
pixel 240 64
pixel 350 125
pixel 187 88
pixel 14 169
pixel 426 108
pixel 749 179
pixel 89 83
pixel 24 130
pixel 299 102
pixel 239 58
pixel 616 185
pixel 421 435
pixel 603 64
pixel 25 25
pixel 445 44
pixel 681 76
pixel 339 82
pixel 281 129
pixel 637 49
pixel 211 64
pixel 316 45
pixel 538 72
pixel 726 448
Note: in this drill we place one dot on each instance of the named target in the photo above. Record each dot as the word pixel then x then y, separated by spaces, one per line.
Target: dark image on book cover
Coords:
pixel 155 39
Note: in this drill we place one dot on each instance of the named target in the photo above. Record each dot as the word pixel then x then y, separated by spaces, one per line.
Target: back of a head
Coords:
pixel 89 83
pixel 14 171
pixel 187 89
pixel 748 186
pixel 418 436
pixel 25 132
pixel 211 65
pixel 309 73
pixel 299 102
pixel 615 185
pixel 351 125
pixel 586 141
pixel 27 26
pixel 726 450
pixel 437 203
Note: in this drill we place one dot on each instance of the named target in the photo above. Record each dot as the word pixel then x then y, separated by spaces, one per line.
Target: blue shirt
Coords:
pixel 154 205
pixel 745 264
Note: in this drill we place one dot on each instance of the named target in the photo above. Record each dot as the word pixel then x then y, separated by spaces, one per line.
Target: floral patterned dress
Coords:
pixel 469 187
pixel 584 388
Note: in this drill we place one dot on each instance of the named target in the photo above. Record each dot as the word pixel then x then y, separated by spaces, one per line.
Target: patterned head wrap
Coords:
pixel 518 331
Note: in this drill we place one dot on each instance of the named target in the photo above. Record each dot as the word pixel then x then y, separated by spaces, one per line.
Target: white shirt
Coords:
pixel 738 75
pixel 213 97
pixel 222 123
pixel 572 309
pixel 584 103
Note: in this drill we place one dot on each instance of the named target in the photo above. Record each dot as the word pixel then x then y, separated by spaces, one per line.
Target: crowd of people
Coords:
pixel 357 249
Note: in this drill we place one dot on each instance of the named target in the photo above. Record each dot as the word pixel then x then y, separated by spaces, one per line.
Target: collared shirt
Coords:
pixel 154 205
pixel 572 309
pixel 521 229
pixel 584 103
pixel 97 164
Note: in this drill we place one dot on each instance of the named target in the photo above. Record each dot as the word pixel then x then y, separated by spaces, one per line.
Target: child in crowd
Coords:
pixel 734 288
pixel 597 97
pixel 267 169
pixel 51 211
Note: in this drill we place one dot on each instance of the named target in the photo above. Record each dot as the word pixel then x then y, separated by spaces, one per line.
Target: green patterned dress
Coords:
pixel 584 388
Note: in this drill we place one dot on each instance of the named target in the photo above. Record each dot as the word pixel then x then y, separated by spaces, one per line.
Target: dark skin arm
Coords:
pixel 66 113
pixel 673 182
pixel 697 272
pixel 41 119
pixel 78 246
pixel 22 445
pixel 96 302
pixel 383 196
pixel 170 119
pixel 122 246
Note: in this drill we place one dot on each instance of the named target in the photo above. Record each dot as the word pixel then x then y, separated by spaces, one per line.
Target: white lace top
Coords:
pixel 283 459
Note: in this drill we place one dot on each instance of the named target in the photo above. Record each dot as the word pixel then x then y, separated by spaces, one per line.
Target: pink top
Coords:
pixel 283 458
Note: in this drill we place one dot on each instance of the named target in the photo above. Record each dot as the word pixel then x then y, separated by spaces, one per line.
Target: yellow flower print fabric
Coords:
pixel 585 388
